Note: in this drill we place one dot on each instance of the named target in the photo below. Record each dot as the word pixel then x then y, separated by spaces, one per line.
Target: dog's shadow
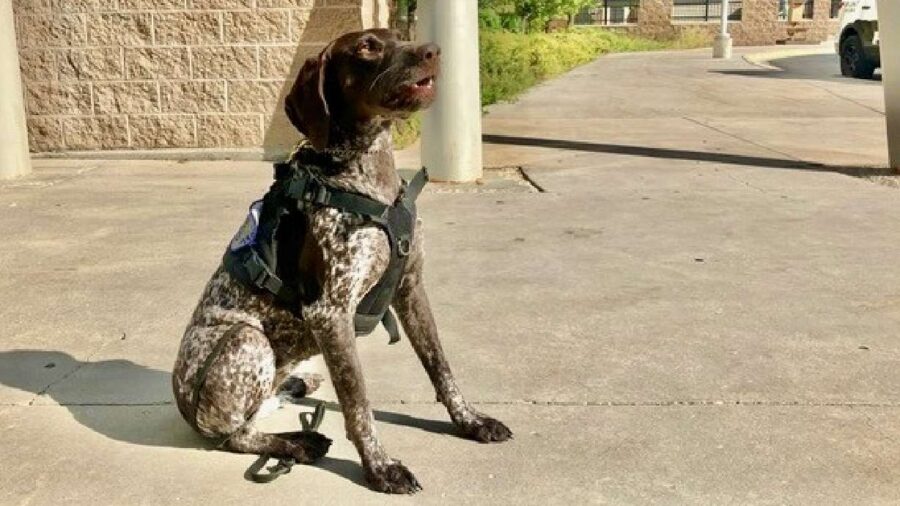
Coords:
pixel 148 415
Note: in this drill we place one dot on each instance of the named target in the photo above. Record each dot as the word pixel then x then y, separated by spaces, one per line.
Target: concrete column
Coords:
pixel 14 158
pixel 889 33
pixel 722 43
pixel 375 13
pixel 451 128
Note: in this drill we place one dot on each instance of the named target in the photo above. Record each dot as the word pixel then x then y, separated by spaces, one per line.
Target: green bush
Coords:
pixel 513 62
pixel 406 131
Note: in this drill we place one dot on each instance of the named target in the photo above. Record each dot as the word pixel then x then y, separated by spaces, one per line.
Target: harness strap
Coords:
pixel 415 186
pixel 366 323
pixel 306 189
pixel 390 325
pixel 261 276
pixel 200 377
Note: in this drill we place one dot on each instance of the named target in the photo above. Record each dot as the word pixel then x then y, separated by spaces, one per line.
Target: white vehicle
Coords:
pixel 857 43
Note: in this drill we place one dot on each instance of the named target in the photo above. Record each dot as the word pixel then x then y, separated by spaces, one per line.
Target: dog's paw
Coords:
pixel 307 446
pixel 485 429
pixel 392 478
pixel 297 387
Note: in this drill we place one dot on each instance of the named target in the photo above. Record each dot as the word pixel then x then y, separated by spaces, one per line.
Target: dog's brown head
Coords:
pixel 360 77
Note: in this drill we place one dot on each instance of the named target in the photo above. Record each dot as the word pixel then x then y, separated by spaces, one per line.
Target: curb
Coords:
pixel 763 60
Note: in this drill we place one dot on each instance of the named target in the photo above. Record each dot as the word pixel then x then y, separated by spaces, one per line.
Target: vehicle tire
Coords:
pixel 854 61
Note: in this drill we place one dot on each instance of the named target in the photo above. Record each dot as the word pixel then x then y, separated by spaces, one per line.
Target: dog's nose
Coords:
pixel 429 51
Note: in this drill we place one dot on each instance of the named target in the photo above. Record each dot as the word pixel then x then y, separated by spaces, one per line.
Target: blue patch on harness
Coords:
pixel 246 235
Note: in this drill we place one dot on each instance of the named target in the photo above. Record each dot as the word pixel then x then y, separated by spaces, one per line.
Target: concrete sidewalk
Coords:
pixel 701 308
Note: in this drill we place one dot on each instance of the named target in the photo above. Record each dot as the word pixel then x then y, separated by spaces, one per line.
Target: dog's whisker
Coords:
pixel 379 76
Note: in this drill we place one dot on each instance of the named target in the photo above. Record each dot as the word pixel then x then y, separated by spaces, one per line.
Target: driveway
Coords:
pixel 822 67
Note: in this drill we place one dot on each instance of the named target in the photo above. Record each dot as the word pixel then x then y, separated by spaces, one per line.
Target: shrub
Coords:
pixel 513 62
pixel 406 131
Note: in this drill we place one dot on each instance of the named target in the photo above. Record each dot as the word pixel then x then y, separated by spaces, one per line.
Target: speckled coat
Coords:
pixel 263 342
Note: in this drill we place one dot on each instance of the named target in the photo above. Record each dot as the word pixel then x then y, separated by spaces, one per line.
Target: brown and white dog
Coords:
pixel 343 101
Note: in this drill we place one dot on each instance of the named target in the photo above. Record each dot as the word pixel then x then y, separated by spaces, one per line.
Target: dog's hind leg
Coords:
pixel 237 382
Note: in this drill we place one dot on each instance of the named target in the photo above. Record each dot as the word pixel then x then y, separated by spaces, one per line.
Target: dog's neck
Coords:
pixel 363 162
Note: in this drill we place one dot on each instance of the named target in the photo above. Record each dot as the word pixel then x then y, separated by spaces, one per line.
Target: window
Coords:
pixel 609 13
pixel 809 7
pixel 705 10
pixel 836 8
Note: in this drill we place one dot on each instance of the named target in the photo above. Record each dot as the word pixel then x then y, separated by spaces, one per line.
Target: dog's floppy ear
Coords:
pixel 306 105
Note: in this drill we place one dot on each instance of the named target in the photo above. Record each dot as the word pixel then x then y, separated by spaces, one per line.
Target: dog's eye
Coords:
pixel 369 47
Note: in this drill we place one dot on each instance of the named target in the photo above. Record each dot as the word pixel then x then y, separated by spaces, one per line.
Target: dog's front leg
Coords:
pixel 337 341
pixel 411 303
pixel 355 262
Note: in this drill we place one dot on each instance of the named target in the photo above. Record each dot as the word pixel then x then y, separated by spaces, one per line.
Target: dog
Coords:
pixel 240 347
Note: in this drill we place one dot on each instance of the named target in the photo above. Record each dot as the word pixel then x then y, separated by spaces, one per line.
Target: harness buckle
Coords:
pixel 403 246
pixel 319 195
pixel 270 283
pixel 297 187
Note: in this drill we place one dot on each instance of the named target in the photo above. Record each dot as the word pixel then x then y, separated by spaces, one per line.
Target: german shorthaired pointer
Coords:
pixel 240 347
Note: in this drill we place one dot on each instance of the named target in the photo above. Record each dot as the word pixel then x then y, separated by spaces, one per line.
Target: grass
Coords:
pixel 510 63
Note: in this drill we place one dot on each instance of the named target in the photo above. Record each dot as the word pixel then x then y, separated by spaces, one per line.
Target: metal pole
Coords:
pixel 889 32
pixel 14 158
pixel 722 44
pixel 451 128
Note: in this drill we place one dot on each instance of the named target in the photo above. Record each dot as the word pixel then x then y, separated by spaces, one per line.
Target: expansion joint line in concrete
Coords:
pixel 69 374
pixel 846 99
pixel 743 139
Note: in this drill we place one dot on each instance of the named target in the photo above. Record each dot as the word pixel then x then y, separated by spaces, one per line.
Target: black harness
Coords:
pixel 264 253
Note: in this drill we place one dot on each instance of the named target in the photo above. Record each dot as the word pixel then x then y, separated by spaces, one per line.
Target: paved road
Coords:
pixel 702 308
pixel 820 67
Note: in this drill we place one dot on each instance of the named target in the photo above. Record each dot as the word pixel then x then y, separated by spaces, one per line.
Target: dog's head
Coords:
pixel 359 77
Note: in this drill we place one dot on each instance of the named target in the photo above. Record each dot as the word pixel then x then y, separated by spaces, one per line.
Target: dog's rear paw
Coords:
pixel 486 429
pixel 392 478
pixel 297 387
pixel 307 446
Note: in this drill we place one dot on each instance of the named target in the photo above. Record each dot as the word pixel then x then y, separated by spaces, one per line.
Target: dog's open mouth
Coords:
pixel 421 89
pixel 414 94
pixel 427 83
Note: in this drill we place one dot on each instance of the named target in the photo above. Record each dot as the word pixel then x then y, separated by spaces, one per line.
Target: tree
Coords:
pixel 535 14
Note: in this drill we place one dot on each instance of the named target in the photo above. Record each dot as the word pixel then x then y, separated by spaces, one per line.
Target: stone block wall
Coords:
pixel 145 74
pixel 759 25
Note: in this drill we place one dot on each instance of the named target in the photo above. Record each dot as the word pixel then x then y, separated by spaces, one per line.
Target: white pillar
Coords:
pixel 889 33
pixel 722 43
pixel 451 128
pixel 14 158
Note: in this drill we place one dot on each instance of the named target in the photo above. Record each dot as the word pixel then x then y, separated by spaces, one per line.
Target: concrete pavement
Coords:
pixel 701 308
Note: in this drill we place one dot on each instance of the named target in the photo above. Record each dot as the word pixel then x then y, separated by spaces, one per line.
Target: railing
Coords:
pixel 609 13
pixel 705 10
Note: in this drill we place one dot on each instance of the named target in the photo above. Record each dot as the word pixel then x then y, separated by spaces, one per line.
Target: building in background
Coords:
pixel 147 74
pixel 754 22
